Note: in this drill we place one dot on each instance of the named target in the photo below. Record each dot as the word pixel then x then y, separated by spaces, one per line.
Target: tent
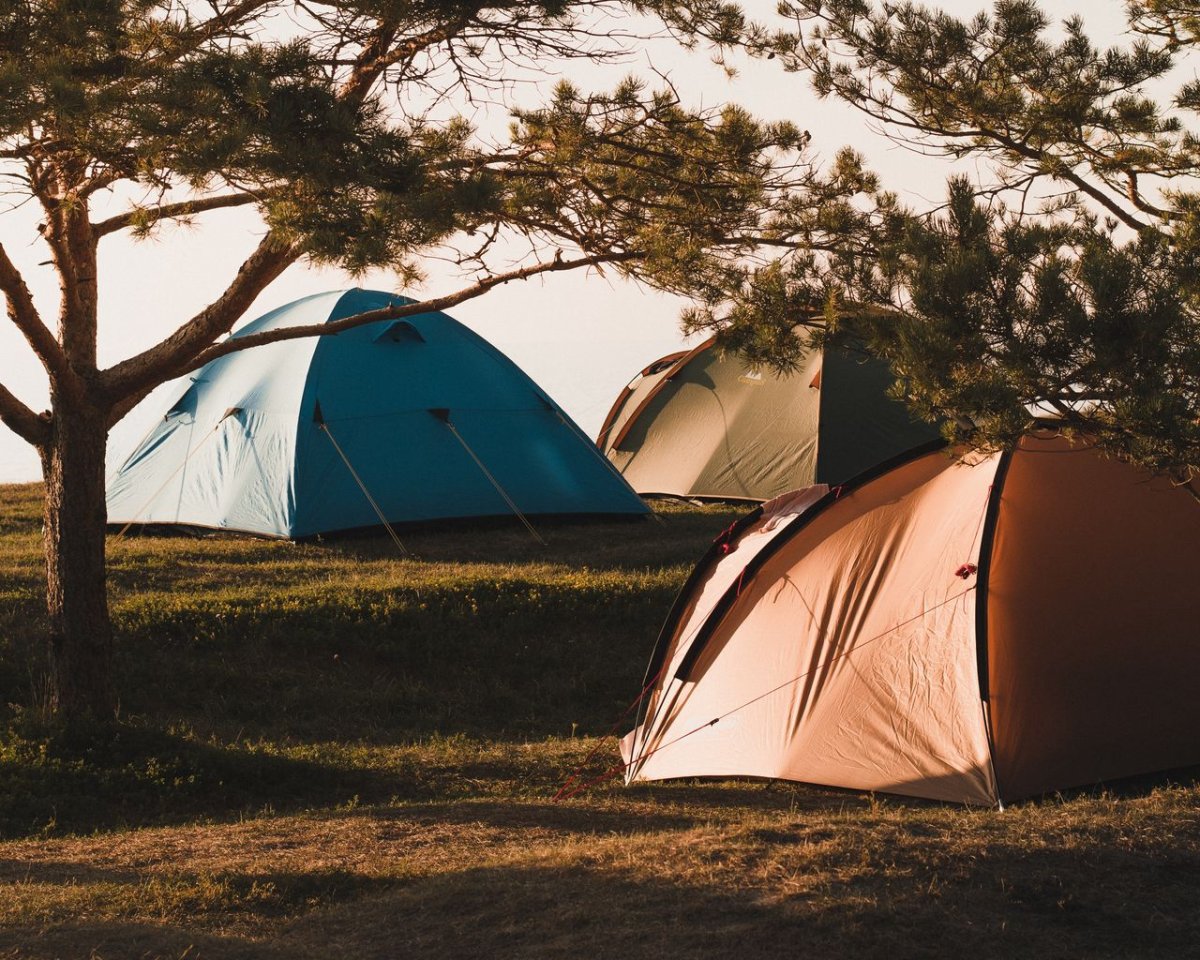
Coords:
pixel 705 423
pixel 404 420
pixel 975 628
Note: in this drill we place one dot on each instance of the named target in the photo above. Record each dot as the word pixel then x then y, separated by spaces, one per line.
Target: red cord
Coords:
pixel 588 784
pixel 611 731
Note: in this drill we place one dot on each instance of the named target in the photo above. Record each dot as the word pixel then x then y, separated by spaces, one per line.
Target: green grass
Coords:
pixel 331 750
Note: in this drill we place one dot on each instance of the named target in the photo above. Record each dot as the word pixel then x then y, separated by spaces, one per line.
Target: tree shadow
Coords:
pixel 1098 901
pixel 1047 907
pixel 117 938
pixel 140 777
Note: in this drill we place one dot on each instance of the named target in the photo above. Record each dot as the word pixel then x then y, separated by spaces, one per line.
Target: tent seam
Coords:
pixel 983 579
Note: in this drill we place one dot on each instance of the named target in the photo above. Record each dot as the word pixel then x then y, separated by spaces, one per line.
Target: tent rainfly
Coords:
pixel 705 423
pixel 975 629
pixel 399 420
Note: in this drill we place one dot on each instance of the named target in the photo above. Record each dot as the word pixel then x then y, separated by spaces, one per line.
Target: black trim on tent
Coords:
pixel 722 606
pixel 683 360
pixel 699 572
pixel 984 573
pixel 658 366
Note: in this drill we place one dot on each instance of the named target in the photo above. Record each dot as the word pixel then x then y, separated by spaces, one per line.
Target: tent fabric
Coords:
pixel 972 628
pixel 251 442
pixel 705 423
pixel 1093 636
pixel 630 402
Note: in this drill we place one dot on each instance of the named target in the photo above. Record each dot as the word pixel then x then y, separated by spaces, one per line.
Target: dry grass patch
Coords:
pixel 685 870
pixel 328 751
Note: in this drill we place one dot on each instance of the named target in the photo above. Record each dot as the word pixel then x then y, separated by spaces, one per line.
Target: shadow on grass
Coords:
pixel 502 659
pixel 236 639
pixel 1018 903
pixel 136 777
pixel 1046 909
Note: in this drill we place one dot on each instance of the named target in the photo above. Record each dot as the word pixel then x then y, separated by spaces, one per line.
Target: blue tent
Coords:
pixel 408 420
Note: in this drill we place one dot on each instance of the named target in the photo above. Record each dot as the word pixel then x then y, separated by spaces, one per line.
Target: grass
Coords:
pixel 330 750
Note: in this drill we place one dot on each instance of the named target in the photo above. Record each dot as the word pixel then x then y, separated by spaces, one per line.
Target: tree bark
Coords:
pixel 81 642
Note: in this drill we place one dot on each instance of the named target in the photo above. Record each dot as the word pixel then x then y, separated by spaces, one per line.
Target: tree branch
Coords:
pixel 222 20
pixel 941 110
pixel 172 211
pixel 160 362
pixel 394 312
pixel 1049 164
pixel 398 311
pixel 1066 174
pixel 21 420
pixel 24 315
pixel 221 23
pixel 369 63
pixel 379 54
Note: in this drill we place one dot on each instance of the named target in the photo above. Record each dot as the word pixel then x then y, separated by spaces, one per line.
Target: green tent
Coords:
pixel 706 423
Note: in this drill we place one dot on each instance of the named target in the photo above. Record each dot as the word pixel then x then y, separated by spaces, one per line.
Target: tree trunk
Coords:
pixel 81 642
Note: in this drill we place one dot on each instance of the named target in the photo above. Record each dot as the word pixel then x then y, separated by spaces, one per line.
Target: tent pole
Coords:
pixel 324 427
pixel 991 517
pixel 491 479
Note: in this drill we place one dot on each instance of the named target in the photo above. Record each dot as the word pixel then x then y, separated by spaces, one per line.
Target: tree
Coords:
pixel 122 115
pixel 1062 280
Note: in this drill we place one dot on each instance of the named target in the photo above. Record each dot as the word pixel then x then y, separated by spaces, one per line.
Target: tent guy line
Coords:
pixel 638 757
pixel 324 428
pixel 562 794
pixel 444 417
pixel 182 465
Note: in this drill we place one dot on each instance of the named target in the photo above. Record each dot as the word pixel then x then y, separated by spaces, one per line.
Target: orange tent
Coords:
pixel 973 628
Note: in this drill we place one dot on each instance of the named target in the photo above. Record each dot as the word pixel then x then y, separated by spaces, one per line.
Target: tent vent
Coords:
pixel 185 404
pixel 400 332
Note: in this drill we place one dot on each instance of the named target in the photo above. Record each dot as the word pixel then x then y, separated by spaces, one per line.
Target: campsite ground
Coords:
pixel 327 750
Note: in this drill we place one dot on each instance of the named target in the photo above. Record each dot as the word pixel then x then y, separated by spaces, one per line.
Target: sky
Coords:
pixel 581 336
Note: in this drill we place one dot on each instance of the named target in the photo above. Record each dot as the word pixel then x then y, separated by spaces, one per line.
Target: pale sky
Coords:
pixel 582 337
